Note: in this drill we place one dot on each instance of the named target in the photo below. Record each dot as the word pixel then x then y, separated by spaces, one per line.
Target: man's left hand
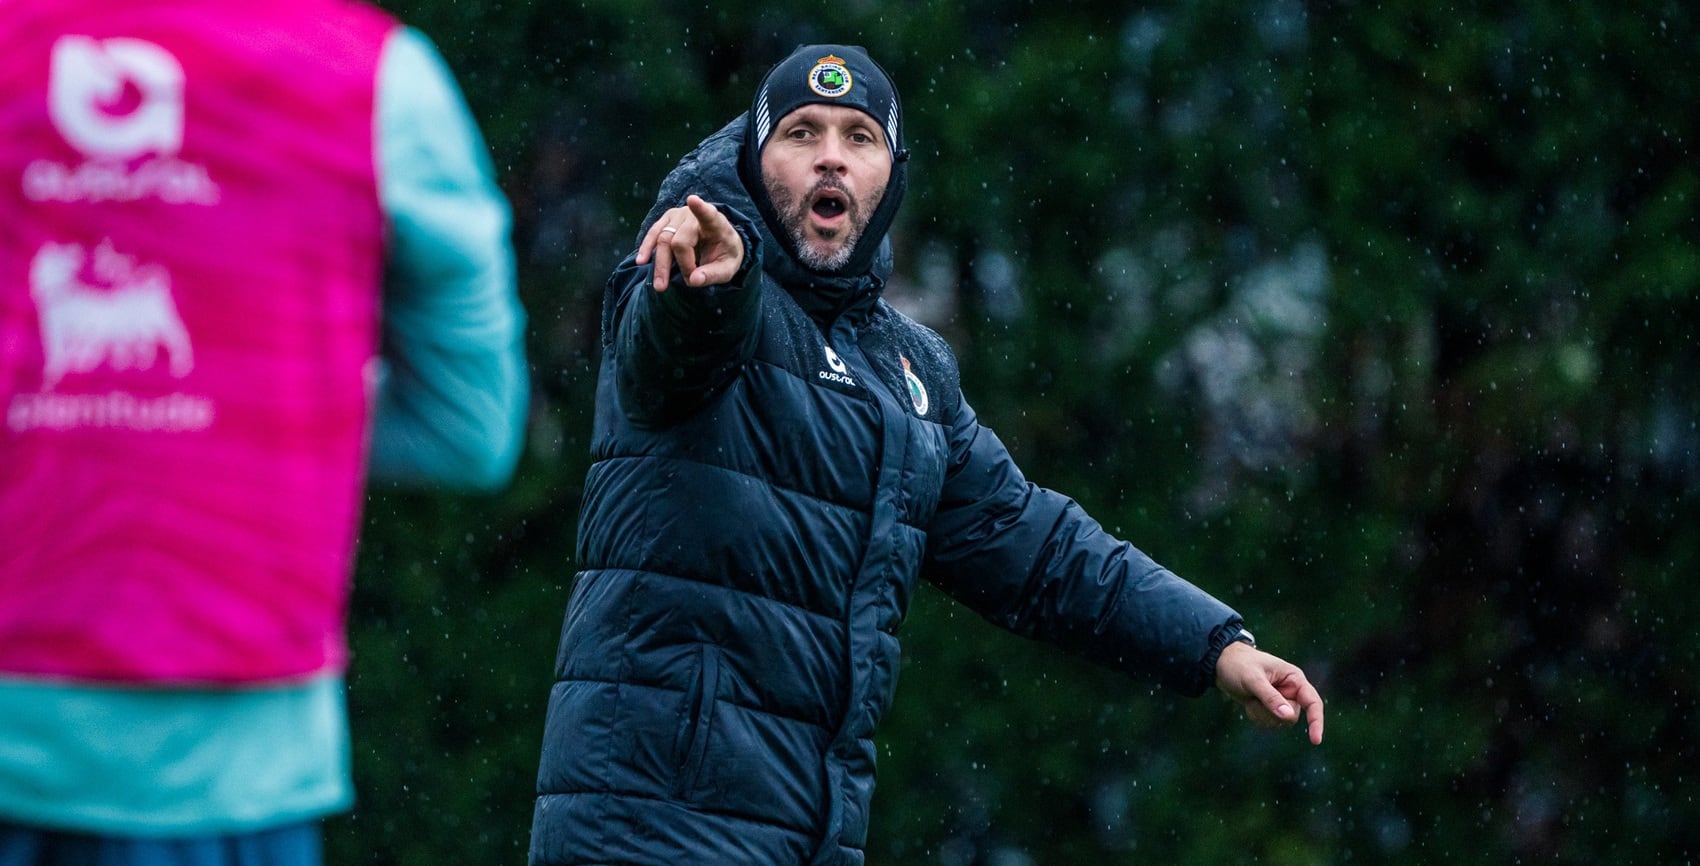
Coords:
pixel 1268 688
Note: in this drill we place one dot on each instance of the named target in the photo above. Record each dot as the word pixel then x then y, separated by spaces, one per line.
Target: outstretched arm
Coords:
pixel 682 311
pixel 1033 562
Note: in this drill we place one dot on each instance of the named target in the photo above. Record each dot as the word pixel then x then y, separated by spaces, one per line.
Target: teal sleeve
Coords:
pixel 453 393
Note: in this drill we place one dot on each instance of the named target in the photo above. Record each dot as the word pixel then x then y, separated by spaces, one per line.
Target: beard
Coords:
pixel 819 252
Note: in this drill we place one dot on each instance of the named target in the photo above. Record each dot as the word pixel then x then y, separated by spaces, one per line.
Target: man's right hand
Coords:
pixel 698 240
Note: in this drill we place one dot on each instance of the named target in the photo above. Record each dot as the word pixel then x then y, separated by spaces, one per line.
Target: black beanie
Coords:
pixel 828 75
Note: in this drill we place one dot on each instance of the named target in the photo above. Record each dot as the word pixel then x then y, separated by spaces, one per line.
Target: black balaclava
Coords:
pixel 827 75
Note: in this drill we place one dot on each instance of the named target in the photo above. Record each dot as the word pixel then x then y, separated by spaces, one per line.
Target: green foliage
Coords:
pixel 1377 320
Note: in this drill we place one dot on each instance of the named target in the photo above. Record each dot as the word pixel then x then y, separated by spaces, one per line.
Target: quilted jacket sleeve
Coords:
pixel 676 350
pixel 1032 561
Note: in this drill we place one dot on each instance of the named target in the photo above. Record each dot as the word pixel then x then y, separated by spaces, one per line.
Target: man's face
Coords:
pixel 825 168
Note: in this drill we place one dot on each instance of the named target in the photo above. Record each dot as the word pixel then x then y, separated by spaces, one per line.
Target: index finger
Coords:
pixel 712 220
pixel 1298 688
pixel 1311 700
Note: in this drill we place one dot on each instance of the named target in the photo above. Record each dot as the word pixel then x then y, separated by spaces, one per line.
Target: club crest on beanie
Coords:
pixel 828 75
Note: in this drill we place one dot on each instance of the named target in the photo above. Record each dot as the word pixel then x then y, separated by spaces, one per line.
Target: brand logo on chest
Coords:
pixel 116 98
pixel 838 371
pixel 120 103
pixel 99 308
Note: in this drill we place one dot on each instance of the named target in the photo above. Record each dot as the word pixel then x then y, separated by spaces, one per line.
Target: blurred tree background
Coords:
pixel 1378 320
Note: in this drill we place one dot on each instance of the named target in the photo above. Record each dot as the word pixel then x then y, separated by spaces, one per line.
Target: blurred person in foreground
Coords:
pixel 779 455
pixel 249 252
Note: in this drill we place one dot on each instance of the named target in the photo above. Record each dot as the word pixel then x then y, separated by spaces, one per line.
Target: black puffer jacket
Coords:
pixel 776 462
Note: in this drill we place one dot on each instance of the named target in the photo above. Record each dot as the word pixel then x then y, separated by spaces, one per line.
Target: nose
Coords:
pixel 829 158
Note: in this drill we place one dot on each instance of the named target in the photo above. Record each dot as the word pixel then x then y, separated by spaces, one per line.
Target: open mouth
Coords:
pixel 828 205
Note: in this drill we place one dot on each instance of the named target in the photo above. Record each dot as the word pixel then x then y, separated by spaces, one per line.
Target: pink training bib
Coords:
pixel 190 266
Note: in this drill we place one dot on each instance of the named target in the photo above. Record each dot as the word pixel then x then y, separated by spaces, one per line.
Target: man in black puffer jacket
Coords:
pixel 779 456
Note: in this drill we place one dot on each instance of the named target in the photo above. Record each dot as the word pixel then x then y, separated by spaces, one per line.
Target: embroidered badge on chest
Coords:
pixel 917 391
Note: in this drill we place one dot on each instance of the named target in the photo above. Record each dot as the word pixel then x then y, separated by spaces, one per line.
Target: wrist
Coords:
pixel 1222 637
pixel 751 243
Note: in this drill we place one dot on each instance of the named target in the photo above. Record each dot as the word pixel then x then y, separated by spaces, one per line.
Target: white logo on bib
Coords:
pixel 124 321
pixel 120 103
pixel 116 98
